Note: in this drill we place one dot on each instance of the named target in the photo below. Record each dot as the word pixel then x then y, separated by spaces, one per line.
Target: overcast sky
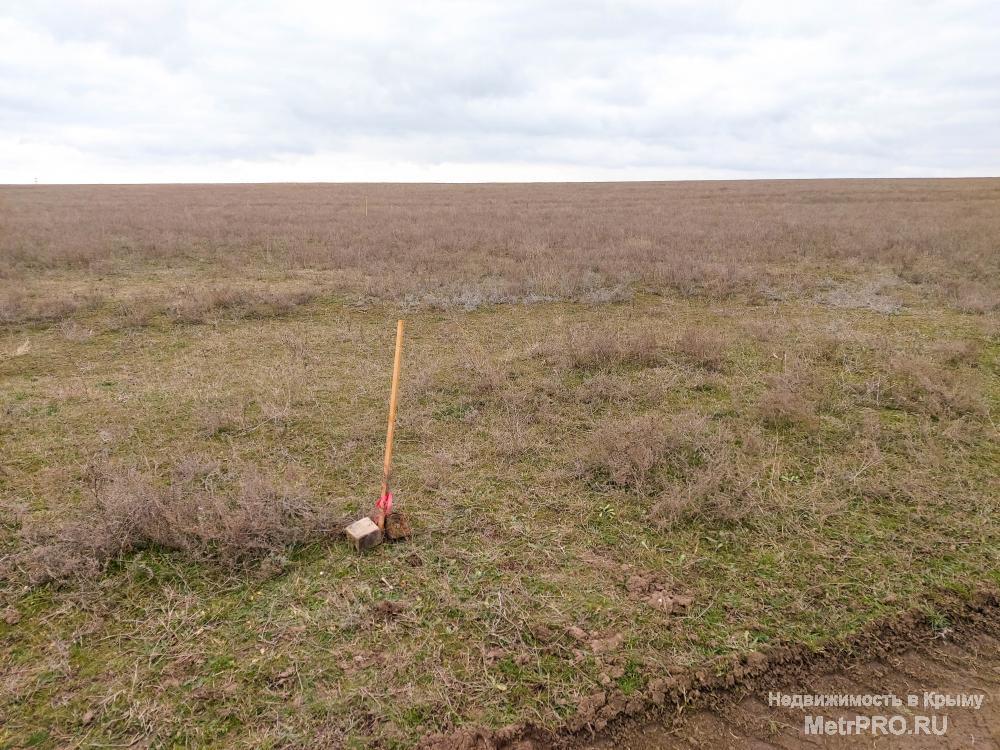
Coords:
pixel 129 91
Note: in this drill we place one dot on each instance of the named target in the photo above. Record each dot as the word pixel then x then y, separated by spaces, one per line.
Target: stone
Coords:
pixel 364 534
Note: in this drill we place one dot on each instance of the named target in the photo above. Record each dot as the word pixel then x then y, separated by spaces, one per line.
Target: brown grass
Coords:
pixel 787 402
pixel 915 384
pixel 598 347
pixel 703 347
pixel 233 516
pixel 468 246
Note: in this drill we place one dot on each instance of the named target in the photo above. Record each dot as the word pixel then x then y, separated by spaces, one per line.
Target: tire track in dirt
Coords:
pixel 725 704
pixel 965 666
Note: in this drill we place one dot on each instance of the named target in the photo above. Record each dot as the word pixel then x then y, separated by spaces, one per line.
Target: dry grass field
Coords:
pixel 642 426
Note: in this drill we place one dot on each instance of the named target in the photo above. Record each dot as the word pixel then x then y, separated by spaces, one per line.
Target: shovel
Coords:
pixel 368 532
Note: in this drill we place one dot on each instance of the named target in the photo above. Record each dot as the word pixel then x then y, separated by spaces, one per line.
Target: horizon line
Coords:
pixel 500 182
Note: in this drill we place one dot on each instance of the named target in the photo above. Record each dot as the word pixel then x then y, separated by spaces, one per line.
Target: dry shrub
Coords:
pixel 533 400
pixel 825 348
pixel 220 420
pixel 202 305
pixel 134 312
pixel 970 296
pixel 766 330
pixel 594 348
pixel 956 352
pixel 630 453
pixel 207 513
pixel 703 347
pixel 788 402
pixel 73 331
pixel 917 385
pixel 16 308
pixel 604 388
pixel 627 453
pixel 726 484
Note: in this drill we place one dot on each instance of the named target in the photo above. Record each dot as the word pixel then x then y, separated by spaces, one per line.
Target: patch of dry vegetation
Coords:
pixel 683 467
pixel 788 401
pixel 16 307
pixel 703 347
pixel 627 453
pixel 233 516
pixel 916 384
pixel 972 296
pixel 206 304
pixel 959 352
pixel 601 347
pixel 448 246
pixel 731 480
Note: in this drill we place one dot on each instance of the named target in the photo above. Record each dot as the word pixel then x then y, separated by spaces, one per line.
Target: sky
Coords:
pixel 206 91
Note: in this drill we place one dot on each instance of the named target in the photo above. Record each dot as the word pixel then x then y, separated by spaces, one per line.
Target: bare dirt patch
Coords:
pixel 869 294
pixel 950 664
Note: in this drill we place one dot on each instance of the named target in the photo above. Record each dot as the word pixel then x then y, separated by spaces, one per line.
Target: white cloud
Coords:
pixel 518 90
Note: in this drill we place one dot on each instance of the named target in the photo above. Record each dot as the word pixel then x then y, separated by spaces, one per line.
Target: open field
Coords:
pixel 642 426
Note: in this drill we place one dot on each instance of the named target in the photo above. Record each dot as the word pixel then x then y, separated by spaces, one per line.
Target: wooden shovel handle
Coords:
pixel 393 396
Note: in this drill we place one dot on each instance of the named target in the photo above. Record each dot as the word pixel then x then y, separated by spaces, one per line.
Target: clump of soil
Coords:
pixel 397 527
pixel 656 593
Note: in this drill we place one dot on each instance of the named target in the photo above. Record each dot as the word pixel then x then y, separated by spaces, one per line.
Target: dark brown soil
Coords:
pixel 397 527
pixel 725 705
pixel 964 666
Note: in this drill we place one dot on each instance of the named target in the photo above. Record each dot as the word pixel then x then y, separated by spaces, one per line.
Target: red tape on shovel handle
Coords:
pixel 384 503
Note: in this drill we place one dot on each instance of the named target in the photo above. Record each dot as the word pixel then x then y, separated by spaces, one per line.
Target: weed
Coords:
pixel 205 512
pixel 916 384
pixel 629 453
pixel 786 402
pixel 601 347
pixel 703 347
